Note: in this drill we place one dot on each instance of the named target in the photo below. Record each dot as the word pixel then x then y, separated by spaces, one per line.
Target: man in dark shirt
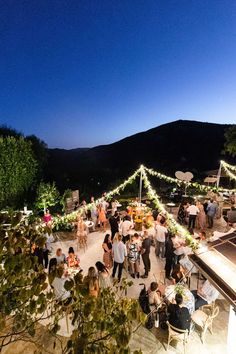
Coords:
pixel 179 315
pixel 145 252
pixel 114 224
pixel 169 254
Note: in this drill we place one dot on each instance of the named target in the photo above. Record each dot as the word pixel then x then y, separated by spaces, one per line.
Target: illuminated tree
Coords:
pixel 47 195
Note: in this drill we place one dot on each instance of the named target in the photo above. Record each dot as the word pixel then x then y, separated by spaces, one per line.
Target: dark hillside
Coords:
pixel 180 145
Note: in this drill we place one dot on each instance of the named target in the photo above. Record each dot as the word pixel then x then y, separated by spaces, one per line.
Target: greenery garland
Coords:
pixel 173 226
pixel 227 167
pixel 196 185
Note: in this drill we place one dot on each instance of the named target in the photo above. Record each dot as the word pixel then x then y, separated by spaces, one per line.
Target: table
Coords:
pixel 89 223
pixel 189 300
pixel 71 272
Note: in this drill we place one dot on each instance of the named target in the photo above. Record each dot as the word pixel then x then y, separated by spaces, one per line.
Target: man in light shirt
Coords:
pixel 125 228
pixel 58 285
pixel 161 232
pixel 192 211
pixel 119 252
pixel 205 295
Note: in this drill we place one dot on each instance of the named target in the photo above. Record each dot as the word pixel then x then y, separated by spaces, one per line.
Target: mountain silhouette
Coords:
pixel 180 145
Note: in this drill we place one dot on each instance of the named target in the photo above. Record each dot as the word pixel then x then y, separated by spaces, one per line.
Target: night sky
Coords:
pixel 82 73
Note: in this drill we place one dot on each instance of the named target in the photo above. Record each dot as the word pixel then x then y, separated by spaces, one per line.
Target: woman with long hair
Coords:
pixel 178 274
pixel 107 248
pixel 72 260
pixel 81 233
pixel 102 217
pixel 92 282
pixel 201 217
pixel 103 275
pixel 181 213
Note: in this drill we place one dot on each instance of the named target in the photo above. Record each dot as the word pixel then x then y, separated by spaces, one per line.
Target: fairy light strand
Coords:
pixel 196 185
pixel 172 224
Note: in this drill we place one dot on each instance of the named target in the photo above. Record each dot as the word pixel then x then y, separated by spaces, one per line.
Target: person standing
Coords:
pixel 107 255
pixel 192 211
pixel 133 256
pixel 181 213
pixel 169 255
pixel 161 232
pixel 114 224
pixel 126 226
pixel 94 213
pixel 201 217
pixel 145 252
pixel 102 217
pixel 211 212
pixel 91 281
pixel 119 252
pixel 47 218
pixel 104 279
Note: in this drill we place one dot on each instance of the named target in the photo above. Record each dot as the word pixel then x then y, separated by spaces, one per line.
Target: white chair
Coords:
pixel 204 317
pixel 178 335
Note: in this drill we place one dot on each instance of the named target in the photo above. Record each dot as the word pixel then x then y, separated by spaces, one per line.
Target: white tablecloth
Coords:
pixel 188 297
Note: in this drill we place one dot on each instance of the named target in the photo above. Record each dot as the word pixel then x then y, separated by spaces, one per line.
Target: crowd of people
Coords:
pixel 126 249
pixel 202 214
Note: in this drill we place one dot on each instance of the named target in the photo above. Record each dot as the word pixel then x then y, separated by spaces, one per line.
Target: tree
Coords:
pixel 47 195
pixel 18 169
pixel 8 131
pixel 230 141
pixel 39 148
pixel 102 325
pixel 23 283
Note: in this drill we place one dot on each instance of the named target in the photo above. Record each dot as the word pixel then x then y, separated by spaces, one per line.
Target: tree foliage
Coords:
pixel 230 141
pixel 18 168
pixel 47 195
pixel 102 325
pixel 39 148
pixel 23 299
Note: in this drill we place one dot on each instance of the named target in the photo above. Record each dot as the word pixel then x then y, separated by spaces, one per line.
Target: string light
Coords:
pixel 196 185
pixel 227 167
pixel 72 216
pixel 231 167
pixel 172 224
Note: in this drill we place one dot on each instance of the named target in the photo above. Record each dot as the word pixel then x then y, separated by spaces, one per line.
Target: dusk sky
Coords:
pixel 82 73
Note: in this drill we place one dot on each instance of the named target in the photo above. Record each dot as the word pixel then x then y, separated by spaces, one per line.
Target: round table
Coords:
pixel 188 298
pixel 89 223
pixel 71 272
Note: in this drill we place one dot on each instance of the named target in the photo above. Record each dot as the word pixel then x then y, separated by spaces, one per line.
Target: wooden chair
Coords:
pixel 178 335
pixel 203 319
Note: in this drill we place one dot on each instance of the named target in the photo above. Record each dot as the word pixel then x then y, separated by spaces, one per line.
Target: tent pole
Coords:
pixel 218 176
pixel 140 185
